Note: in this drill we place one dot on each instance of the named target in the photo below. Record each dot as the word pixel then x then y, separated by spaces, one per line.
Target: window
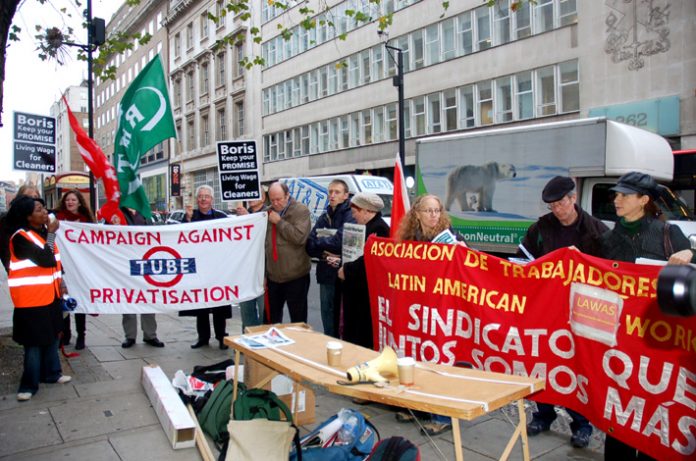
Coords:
pixel 177 93
pixel 466 107
pixel 313 85
pixel 332 79
pixel 365 67
pixel 355 138
pixel 239 112
pixel 344 132
pixel 323 82
pixel 239 57
pixel 569 13
pixel 434 115
pixel 204 78
pixel 295 92
pixel 485 103
pixel 353 71
pixel 189 36
pixel 417 40
pixel 204 25
pixel 502 21
pixel 220 74
pixel 448 41
pixel 378 62
pixel 367 126
pixel 483 27
pixel 190 135
pixel 523 27
pixel 525 100
pixel 419 116
pixel 221 132
pixel 503 99
pixel 205 130
pixel 297 142
pixel 305 140
pixel 432 44
pixel 177 45
pixel 546 92
pixel 543 15
pixel 219 6
pixel 189 86
pixel 392 128
pixel 449 102
pixel 333 134
pixel 570 96
pixel 378 125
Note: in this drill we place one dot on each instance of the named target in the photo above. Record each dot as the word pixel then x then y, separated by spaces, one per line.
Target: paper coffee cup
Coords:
pixel 333 353
pixel 406 366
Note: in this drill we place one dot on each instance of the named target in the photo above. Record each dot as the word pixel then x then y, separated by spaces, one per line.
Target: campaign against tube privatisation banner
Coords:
pixel 160 269
pixel 630 369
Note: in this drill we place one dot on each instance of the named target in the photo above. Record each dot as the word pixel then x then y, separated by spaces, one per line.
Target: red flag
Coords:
pixel 400 204
pixel 97 162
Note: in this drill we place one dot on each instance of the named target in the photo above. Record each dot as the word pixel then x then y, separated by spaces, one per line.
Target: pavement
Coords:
pixel 104 414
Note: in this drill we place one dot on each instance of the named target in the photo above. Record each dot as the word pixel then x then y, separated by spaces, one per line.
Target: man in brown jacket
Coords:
pixel 287 262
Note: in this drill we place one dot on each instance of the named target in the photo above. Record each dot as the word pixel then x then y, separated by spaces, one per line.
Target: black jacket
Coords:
pixel 542 236
pixel 357 314
pixel 649 242
pixel 331 219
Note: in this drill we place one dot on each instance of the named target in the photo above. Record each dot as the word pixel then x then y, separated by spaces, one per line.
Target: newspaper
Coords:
pixel 273 337
pixel 353 241
pixel 446 236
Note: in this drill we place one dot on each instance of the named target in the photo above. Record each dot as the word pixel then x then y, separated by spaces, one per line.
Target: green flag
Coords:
pixel 145 119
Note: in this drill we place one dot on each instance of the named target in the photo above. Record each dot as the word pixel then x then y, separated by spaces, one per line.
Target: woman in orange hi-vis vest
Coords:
pixel 35 283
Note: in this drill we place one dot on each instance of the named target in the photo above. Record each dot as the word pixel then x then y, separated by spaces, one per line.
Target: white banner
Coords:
pixel 151 269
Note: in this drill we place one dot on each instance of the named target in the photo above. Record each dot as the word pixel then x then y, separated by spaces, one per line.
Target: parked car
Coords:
pixel 176 217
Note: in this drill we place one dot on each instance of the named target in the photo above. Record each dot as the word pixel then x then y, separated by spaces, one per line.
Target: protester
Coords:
pixel 640 234
pixel 325 242
pixel 28 190
pixel 357 314
pixel 287 262
pixel 148 323
pixel 74 208
pixel 253 311
pixel 566 225
pixel 424 221
pixel 206 212
pixel 35 282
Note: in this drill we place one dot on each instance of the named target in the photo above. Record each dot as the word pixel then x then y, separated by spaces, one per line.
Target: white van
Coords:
pixel 313 191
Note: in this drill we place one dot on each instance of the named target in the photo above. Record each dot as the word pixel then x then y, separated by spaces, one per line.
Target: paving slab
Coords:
pixel 94 451
pixel 107 353
pixel 152 441
pixel 24 429
pixel 131 369
pixel 109 388
pixel 85 418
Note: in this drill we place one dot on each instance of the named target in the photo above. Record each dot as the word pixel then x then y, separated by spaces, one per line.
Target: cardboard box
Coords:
pixel 171 411
pixel 255 372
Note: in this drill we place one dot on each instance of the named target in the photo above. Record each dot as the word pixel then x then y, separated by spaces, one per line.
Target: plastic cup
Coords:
pixel 406 367
pixel 334 349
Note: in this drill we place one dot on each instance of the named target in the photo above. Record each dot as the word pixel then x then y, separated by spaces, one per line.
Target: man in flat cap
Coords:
pixel 357 314
pixel 566 225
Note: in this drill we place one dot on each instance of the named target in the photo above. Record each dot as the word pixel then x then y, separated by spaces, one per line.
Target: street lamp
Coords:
pixel 398 81
pixel 96 35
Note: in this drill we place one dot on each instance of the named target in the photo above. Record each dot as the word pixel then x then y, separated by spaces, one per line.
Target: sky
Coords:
pixel 32 85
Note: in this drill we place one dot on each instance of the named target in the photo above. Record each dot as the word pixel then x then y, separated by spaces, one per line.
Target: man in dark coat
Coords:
pixel 357 314
pixel 566 225
pixel 325 242
pixel 205 212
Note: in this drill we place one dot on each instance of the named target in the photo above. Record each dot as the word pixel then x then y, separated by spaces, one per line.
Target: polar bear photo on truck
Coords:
pixel 479 180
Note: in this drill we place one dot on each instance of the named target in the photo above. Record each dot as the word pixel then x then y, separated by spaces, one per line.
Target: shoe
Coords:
pixel 581 437
pixel 434 428
pixel 80 343
pixel 223 346
pixel 24 396
pixel 154 342
pixel 404 417
pixel 199 344
pixel 127 343
pixel 64 379
pixel 537 426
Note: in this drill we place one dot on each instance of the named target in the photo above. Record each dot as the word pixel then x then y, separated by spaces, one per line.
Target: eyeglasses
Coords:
pixel 558 204
pixel 432 211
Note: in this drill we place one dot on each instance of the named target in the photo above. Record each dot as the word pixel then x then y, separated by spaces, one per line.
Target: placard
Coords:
pixel 34 142
pixel 238 168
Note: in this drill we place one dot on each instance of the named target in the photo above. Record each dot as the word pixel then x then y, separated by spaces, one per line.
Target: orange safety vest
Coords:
pixel 32 285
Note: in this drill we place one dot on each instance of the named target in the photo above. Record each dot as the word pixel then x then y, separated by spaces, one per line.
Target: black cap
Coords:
pixel 557 188
pixel 636 183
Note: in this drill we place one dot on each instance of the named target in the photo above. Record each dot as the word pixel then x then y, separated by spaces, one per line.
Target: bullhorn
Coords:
pixel 372 371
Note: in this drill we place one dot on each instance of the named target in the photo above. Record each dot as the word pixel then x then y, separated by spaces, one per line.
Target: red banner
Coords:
pixel 591 327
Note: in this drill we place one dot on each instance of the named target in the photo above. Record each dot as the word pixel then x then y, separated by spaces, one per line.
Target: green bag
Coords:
pixel 215 414
pixel 260 403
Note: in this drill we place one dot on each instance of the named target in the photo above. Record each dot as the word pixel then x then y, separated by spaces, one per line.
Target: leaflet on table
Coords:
pixel 273 337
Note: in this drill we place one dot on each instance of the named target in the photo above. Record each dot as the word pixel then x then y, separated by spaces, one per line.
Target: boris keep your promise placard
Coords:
pixel 238 168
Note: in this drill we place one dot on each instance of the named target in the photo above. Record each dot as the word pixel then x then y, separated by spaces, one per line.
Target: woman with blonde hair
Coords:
pixel 74 208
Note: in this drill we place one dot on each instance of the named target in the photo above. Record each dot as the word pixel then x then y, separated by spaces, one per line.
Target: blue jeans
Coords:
pixel 252 312
pixel 327 293
pixel 41 364
pixel 547 414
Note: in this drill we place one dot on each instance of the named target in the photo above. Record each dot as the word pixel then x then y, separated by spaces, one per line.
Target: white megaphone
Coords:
pixel 372 371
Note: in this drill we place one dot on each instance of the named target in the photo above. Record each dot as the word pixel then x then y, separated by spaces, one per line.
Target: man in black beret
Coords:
pixel 566 225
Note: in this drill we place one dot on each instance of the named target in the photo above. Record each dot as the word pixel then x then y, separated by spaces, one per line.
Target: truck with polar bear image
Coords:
pixel 490 181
